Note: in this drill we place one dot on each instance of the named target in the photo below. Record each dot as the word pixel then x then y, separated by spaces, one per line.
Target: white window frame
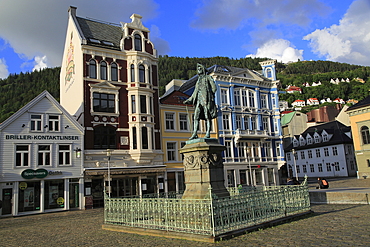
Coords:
pixel 183 122
pixel 224 96
pixel 264 103
pixel 66 155
pixel 238 121
pixel 46 155
pixel 326 152
pixel 252 98
pixel 335 151
pixel 169 123
pixel 171 151
pixel 22 154
pixel 226 121
pixel 254 122
pixel 265 123
pixel 36 124
pixel 237 98
pixel 53 124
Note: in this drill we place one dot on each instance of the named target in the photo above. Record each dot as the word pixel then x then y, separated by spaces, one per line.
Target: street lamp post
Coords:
pixel 250 167
pixel 109 183
pixel 295 165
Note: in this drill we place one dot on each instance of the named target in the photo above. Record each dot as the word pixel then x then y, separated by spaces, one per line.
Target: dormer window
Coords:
pixel 309 140
pixel 138 42
pixel 317 138
pixel 302 141
pixel 325 137
pixel 295 143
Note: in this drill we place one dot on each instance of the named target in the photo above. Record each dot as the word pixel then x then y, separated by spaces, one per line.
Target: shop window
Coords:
pixel 103 102
pixel 36 122
pixel 103 70
pixel 29 196
pixel 170 121
pixel 104 137
pixel 92 69
pixel 328 167
pixel 53 123
pixel 43 155
pixel 144 138
pixel 64 156
pixel 171 151
pixel 230 178
pixel 138 42
pixel 114 72
pixel 54 194
pixel 132 69
pixel 141 73
pixel 22 155
pixel 143 104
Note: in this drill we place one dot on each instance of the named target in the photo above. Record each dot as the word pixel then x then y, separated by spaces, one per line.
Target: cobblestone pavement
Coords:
pixel 333 225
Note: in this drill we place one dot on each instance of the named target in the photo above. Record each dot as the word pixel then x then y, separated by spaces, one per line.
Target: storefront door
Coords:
pixel 7 201
pixel 74 201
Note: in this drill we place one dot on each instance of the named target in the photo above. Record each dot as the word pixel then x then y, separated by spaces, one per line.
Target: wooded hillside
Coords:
pixel 18 89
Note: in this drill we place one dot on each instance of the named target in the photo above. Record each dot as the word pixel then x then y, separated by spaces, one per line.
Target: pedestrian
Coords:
pixel 290 181
pixel 323 183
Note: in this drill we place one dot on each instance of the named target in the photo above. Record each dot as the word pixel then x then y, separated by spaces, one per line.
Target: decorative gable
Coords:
pixel 302 141
pixel 295 142
pixel 309 139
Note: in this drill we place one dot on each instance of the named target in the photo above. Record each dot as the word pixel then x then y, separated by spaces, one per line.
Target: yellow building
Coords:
pixel 176 126
pixel 359 115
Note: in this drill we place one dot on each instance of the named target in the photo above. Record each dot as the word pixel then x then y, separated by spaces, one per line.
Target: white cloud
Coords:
pixel 347 42
pixel 40 63
pixel 38 27
pixel 279 49
pixel 161 45
pixel 3 69
pixel 213 13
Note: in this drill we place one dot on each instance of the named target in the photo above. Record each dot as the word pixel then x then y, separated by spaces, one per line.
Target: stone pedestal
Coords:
pixel 203 169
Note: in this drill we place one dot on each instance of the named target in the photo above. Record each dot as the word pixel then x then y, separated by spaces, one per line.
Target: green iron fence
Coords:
pixel 210 216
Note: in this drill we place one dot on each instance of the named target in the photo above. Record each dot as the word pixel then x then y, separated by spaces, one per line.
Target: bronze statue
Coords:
pixel 203 98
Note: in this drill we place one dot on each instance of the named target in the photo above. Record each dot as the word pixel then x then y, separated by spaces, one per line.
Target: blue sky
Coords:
pixel 32 32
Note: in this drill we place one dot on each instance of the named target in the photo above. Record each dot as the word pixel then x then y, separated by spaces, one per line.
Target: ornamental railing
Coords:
pixel 210 217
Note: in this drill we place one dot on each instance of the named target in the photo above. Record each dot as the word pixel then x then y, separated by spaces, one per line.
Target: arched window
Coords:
pixel 141 73
pixel 365 135
pixel 132 73
pixel 114 72
pixel 92 69
pixel 268 72
pixel 103 70
pixel 104 137
pixel 138 42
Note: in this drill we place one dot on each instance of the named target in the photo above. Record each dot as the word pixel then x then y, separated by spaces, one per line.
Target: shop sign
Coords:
pixel 39 173
pixel 60 201
pixel 23 185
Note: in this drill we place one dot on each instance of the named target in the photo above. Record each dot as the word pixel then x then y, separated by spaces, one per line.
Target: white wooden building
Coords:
pixel 41 163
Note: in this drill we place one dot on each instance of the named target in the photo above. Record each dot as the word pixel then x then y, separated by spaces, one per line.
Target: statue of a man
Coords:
pixel 203 98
